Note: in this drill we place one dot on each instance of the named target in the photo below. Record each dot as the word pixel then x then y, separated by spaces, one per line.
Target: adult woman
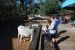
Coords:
pixel 51 29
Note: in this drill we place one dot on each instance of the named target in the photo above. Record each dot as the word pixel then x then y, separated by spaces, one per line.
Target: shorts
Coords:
pixel 53 36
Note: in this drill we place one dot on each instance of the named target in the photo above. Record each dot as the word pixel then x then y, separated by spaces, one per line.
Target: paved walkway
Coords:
pixel 66 41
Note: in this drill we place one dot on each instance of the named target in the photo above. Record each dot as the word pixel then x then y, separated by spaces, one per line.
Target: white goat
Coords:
pixel 25 31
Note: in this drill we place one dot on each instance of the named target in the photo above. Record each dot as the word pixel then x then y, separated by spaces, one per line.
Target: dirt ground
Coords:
pixel 20 46
pixel 9 39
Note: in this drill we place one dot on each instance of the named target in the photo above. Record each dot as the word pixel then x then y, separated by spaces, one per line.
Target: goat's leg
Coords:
pixel 31 37
pixel 73 26
pixel 20 38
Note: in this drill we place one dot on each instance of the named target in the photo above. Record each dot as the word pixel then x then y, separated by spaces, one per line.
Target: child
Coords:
pixel 47 33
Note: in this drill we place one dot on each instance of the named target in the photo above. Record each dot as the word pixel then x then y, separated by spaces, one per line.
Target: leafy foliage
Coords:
pixel 9 9
pixel 50 6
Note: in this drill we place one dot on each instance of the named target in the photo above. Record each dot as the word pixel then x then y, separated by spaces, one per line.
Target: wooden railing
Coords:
pixel 38 42
pixel 35 42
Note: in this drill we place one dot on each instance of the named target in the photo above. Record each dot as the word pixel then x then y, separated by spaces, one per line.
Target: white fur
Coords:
pixel 36 25
pixel 25 31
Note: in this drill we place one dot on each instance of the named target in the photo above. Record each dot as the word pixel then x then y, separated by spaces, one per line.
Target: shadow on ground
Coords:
pixel 7 32
pixel 62 39
pixel 56 47
pixel 63 31
pixel 59 41
pixel 59 33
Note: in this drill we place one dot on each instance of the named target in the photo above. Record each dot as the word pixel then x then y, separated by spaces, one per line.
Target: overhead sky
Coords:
pixel 35 1
pixel 38 1
pixel 67 3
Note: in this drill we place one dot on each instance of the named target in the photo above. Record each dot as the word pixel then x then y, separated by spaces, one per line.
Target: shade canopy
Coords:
pixel 67 3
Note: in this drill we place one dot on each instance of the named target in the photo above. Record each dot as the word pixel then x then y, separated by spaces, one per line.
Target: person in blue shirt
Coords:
pixel 51 28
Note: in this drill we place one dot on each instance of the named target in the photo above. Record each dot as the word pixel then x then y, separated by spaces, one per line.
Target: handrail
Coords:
pixel 35 42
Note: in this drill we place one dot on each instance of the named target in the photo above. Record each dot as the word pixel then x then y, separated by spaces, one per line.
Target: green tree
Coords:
pixel 29 8
pixel 50 6
pixel 9 8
